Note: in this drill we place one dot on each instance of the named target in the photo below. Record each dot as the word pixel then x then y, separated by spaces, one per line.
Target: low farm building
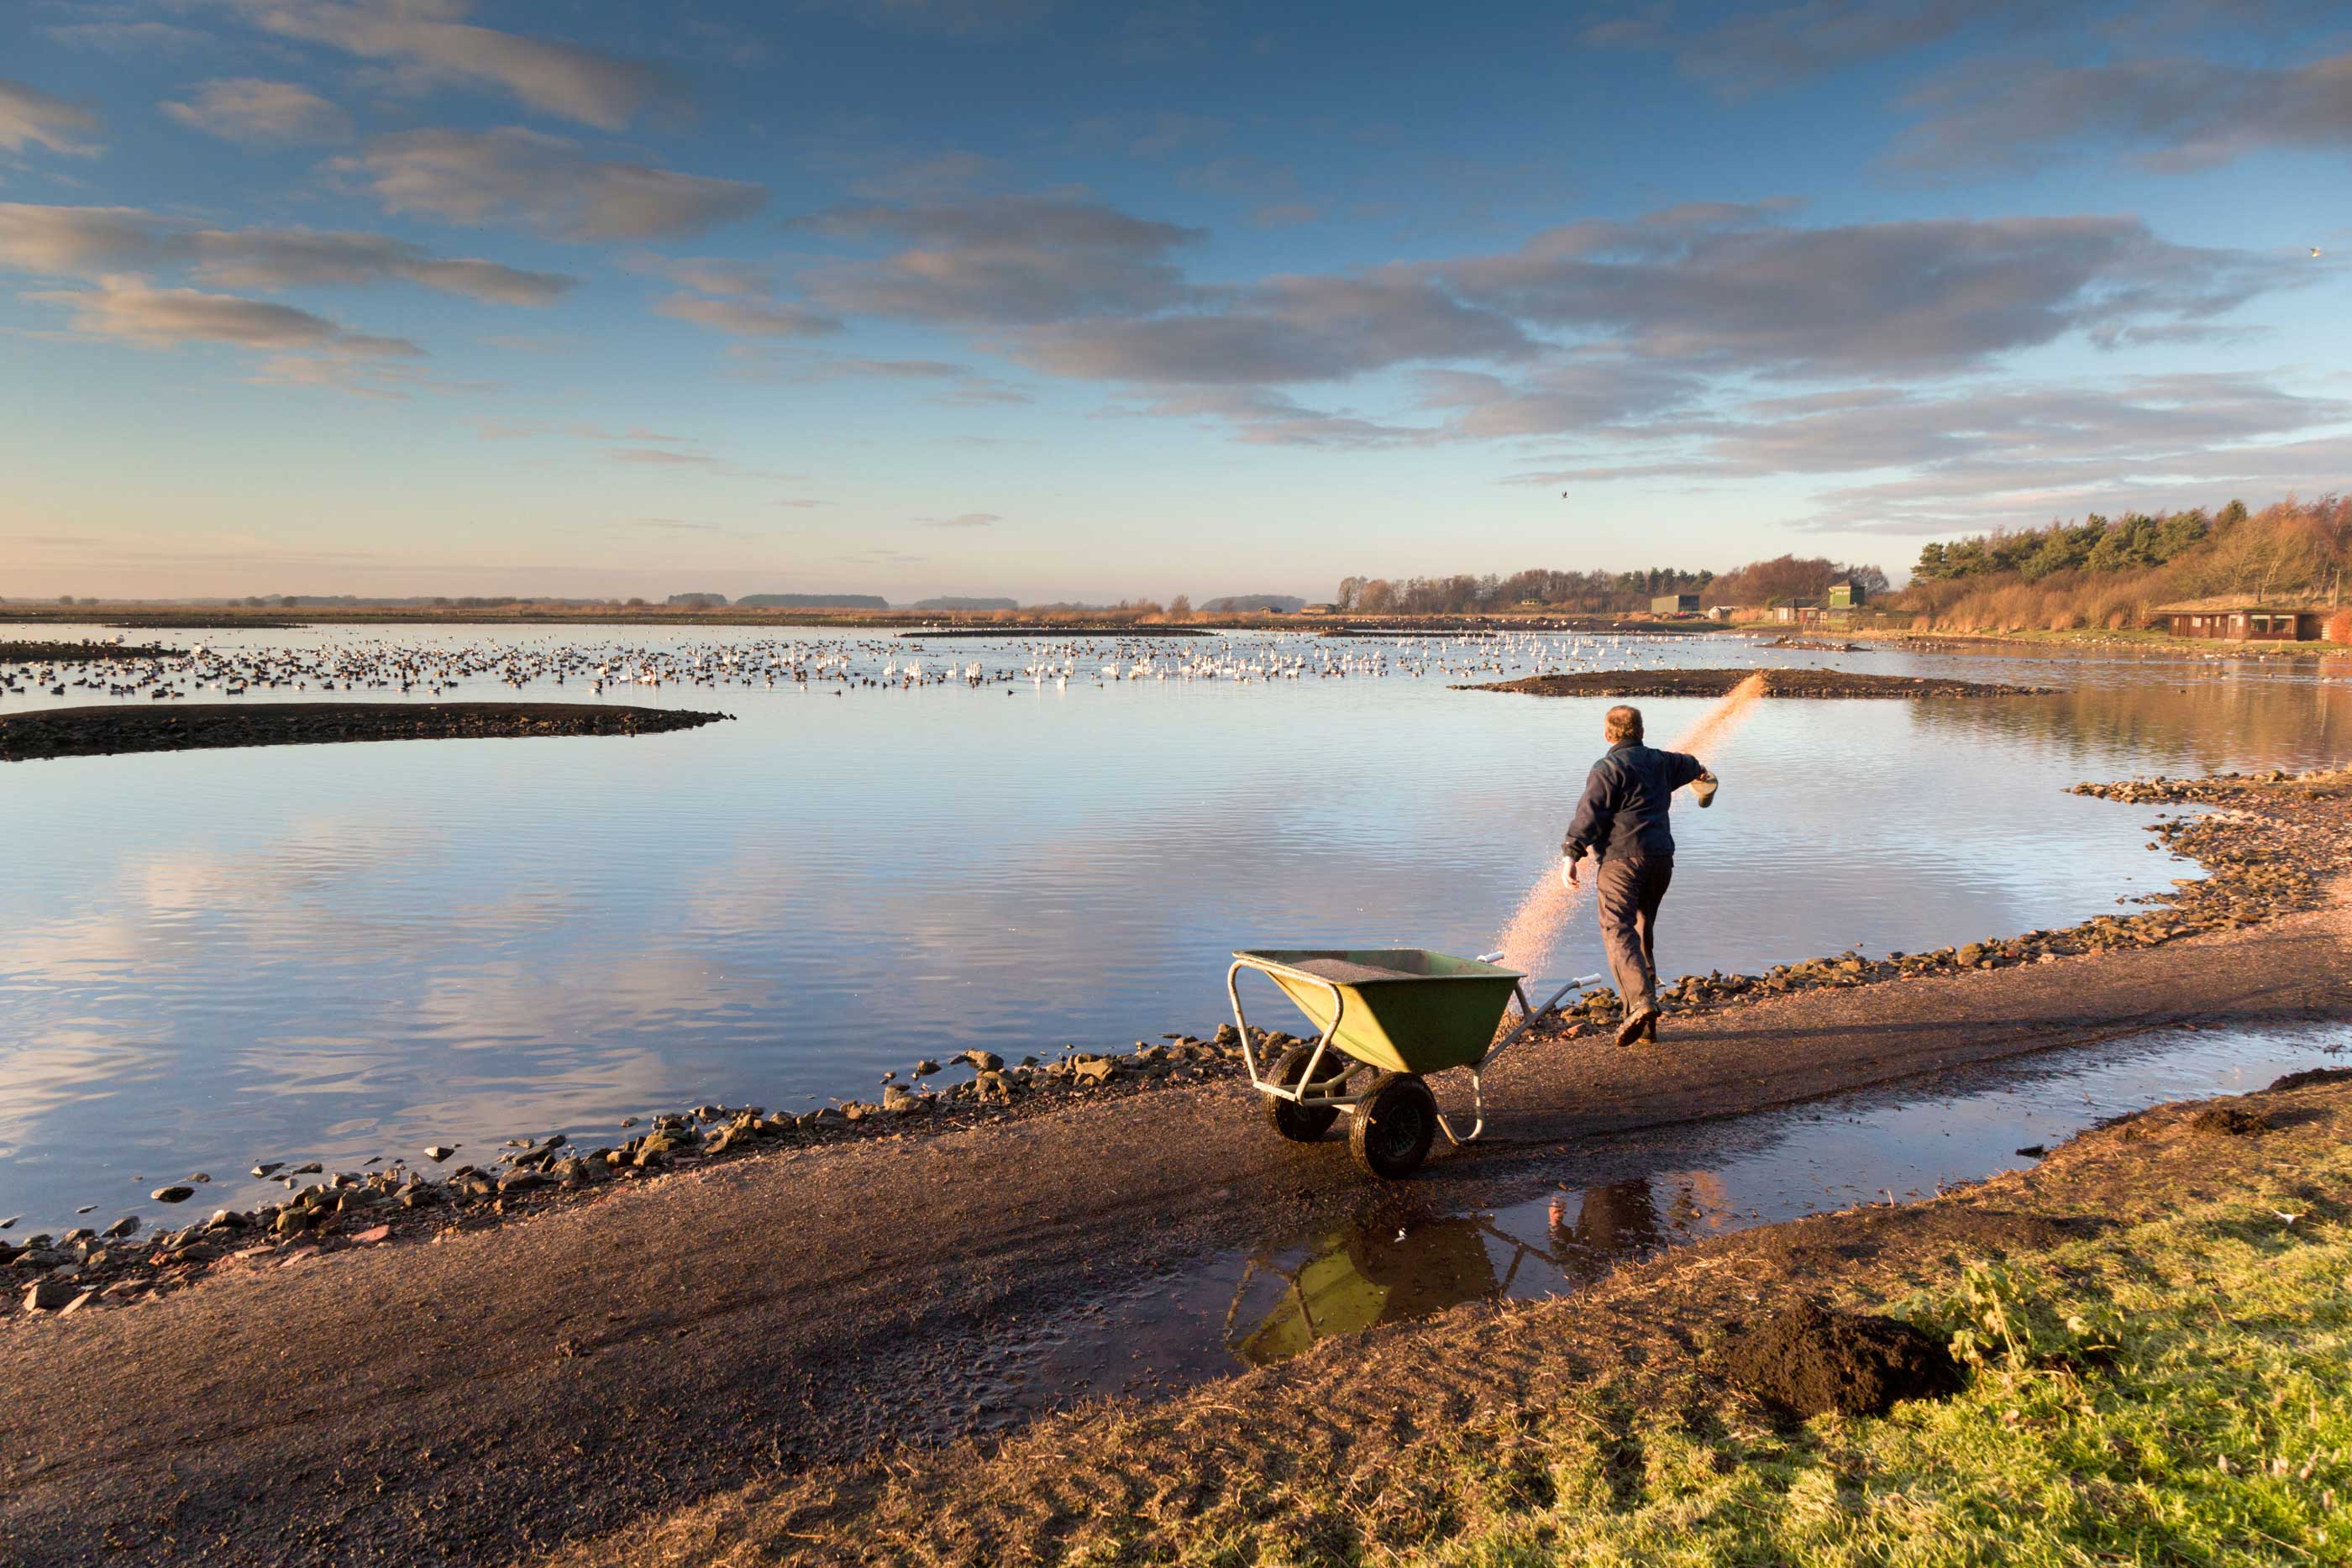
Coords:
pixel 2233 619
pixel 1674 604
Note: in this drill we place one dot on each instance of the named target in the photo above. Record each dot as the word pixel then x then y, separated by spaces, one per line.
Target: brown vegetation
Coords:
pixel 2113 574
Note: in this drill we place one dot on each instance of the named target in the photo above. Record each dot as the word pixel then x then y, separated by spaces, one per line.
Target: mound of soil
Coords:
pixel 1807 1359
pixel 78 652
pixel 2233 1121
pixel 106 731
pixel 1777 684
pixel 2309 1076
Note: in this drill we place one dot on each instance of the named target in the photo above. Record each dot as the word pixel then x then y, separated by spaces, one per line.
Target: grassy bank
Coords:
pixel 2177 1393
pixel 2158 1373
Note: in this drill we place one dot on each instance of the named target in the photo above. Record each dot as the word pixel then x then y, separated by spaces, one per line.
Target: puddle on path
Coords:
pixel 1396 1258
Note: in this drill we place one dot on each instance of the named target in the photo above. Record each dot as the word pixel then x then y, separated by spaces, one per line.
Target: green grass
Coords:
pixel 2179 1393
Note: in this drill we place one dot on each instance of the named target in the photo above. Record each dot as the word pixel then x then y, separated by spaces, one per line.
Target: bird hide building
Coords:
pixel 2229 619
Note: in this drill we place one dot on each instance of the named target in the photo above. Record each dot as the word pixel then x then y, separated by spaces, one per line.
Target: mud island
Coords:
pixel 1821 684
pixel 195 726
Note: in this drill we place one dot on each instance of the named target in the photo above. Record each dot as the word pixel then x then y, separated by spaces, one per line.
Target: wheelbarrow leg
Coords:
pixel 1527 1017
pixel 1477 1112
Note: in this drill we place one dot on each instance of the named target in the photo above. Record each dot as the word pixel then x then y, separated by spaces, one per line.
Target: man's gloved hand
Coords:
pixel 1567 877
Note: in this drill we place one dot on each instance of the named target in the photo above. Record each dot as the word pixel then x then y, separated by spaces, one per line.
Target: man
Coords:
pixel 1622 820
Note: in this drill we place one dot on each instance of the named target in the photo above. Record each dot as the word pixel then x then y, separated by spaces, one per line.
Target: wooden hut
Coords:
pixel 2234 619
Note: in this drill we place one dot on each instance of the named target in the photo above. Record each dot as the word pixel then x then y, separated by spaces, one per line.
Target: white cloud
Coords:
pixel 29 117
pixel 62 242
pixel 544 183
pixel 72 241
pixel 749 318
pixel 1985 455
pixel 128 309
pixel 1294 329
pixel 124 36
pixel 247 109
pixel 1258 417
pixel 656 457
pixel 1718 285
pixel 2187 113
pixel 707 275
pixel 953 17
pixel 430 43
pixel 1776 45
pixel 1003 260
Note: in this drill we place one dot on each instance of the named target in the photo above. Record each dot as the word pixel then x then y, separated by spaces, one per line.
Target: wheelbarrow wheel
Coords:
pixel 1395 1123
pixel 1305 1123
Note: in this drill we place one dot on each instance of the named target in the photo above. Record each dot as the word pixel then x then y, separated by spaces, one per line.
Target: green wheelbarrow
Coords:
pixel 1391 1016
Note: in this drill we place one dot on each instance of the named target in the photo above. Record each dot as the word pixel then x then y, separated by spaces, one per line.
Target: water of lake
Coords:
pixel 337 951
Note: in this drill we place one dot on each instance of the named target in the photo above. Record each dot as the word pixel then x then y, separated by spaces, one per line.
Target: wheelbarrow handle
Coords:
pixel 1528 1015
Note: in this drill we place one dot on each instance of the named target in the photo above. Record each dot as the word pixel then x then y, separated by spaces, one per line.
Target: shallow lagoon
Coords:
pixel 341 952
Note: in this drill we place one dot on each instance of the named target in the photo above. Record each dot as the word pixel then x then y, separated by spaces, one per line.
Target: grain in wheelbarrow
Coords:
pixel 1341 972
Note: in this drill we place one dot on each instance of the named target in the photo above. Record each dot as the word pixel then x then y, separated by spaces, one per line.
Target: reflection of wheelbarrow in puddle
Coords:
pixel 1354 1280
pixel 1390 1017
pixel 1387 1269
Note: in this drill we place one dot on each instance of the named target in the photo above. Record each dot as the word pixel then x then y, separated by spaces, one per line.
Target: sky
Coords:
pixel 1058 301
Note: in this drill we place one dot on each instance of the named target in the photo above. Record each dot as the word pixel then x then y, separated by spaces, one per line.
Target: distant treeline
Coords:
pixel 1603 592
pixel 2112 573
pixel 1253 603
pixel 2130 543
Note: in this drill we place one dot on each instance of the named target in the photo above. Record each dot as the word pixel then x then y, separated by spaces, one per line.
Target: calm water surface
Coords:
pixel 337 951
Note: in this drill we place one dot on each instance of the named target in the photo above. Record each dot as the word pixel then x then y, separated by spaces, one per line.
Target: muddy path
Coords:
pixel 1377 1448
pixel 191 726
pixel 1821 684
pixel 501 1391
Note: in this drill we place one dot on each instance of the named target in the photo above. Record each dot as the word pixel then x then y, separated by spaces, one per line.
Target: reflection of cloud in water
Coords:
pixel 368 936
pixel 87 1071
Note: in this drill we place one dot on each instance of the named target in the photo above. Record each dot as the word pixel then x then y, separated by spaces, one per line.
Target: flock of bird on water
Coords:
pixel 380 666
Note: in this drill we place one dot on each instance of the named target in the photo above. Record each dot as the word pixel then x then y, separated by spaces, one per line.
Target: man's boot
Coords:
pixel 1636 1024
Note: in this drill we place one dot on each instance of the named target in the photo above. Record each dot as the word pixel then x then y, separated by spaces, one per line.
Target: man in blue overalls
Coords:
pixel 1622 818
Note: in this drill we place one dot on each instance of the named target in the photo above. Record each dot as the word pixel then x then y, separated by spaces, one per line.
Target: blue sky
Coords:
pixel 1030 298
